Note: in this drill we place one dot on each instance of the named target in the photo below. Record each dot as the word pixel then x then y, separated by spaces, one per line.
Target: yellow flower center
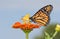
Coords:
pixel 26 19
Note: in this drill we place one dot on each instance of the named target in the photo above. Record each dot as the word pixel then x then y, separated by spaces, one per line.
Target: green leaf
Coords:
pixel 47 36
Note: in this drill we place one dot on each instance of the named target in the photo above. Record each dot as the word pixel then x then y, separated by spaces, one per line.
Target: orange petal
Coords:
pixel 17 25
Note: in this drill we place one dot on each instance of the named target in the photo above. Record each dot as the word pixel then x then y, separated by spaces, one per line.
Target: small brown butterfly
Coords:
pixel 42 17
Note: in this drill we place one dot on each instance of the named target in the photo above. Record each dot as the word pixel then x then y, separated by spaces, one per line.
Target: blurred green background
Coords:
pixel 50 29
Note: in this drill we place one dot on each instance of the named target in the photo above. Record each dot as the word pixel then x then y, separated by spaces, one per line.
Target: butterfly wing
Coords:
pixel 42 17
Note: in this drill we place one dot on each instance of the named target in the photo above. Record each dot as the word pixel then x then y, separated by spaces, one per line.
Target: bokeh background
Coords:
pixel 12 10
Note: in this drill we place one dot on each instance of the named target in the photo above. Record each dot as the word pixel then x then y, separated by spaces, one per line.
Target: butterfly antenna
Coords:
pixel 33 11
pixel 31 17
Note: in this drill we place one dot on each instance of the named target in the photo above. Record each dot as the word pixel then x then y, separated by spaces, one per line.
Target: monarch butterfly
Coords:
pixel 42 17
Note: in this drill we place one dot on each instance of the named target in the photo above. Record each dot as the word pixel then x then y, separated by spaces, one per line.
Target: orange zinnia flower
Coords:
pixel 26 26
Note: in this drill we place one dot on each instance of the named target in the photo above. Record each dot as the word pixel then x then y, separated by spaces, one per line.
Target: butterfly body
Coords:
pixel 42 17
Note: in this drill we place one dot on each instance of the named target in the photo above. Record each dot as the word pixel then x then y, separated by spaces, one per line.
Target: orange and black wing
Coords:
pixel 42 17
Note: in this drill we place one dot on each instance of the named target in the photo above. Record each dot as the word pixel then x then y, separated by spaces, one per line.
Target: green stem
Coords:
pixel 27 35
pixel 54 34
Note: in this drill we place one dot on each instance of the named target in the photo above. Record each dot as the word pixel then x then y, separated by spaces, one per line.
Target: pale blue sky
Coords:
pixel 12 10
